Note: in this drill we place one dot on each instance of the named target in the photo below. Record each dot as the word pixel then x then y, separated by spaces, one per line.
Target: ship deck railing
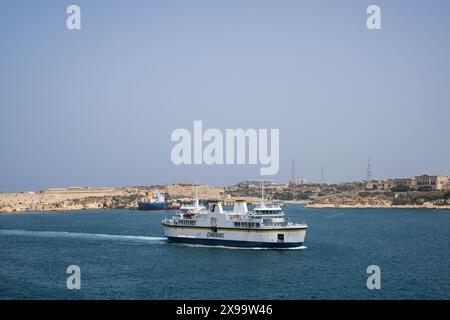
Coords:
pixel 269 226
pixel 282 224
pixel 180 222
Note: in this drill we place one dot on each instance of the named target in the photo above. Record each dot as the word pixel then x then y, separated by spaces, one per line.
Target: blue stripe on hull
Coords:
pixel 235 243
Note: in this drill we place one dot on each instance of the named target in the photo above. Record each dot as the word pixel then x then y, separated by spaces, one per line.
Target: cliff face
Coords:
pixel 69 199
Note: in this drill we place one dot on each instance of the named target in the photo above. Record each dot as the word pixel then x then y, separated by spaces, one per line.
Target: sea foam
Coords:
pixel 78 235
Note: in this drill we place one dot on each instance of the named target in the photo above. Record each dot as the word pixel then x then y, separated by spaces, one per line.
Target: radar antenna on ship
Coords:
pixel 262 194
pixel 196 196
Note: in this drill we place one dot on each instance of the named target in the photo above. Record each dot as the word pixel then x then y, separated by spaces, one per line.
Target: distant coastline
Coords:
pixel 87 198
pixel 383 200
pixel 358 195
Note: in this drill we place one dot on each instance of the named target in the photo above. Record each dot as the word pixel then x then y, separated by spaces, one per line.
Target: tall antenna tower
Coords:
pixel 262 193
pixel 293 177
pixel 369 170
pixel 322 175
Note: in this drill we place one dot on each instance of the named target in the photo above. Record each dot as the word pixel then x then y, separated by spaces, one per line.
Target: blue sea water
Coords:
pixel 122 254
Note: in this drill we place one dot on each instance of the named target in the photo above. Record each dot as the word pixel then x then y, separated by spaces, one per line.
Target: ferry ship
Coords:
pixel 266 226
pixel 156 201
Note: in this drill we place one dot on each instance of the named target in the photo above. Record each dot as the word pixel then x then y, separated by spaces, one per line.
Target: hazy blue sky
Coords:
pixel 97 106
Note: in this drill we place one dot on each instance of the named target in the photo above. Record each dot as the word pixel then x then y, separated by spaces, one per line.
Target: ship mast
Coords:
pixel 262 193
pixel 196 196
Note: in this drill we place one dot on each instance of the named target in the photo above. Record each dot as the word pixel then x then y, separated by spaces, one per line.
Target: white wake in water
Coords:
pixel 77 235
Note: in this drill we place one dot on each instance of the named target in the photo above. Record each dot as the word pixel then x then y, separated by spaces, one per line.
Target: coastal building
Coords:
pixel 402 182
pixel 419 183
pixel 269 185
pixel 426 182
pixel 251 184
pixel 377 185
pixel 276 186
pixel 298 182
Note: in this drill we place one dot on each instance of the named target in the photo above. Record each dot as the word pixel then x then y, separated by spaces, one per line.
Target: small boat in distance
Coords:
pixel 266 226
pixel 156 201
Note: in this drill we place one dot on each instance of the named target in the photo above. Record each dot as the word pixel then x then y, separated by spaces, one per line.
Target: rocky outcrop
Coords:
pixel 382 200
pixel 71 199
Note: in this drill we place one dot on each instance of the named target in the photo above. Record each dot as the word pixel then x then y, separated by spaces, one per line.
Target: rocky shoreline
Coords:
pixel 383 200
pixel 69 201
pixel 361 206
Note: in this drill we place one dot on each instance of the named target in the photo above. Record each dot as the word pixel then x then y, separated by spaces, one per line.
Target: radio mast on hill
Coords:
pixel 369 170
pixel 294 179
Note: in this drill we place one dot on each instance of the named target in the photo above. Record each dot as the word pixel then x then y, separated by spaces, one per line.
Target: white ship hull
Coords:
pixel 237 237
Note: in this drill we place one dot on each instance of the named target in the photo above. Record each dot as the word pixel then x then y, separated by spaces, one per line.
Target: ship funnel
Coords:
pixel 215 207
pixel 240 206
